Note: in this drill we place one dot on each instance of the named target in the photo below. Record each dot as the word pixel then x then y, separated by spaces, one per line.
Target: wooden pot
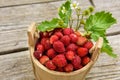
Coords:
pixel 42 73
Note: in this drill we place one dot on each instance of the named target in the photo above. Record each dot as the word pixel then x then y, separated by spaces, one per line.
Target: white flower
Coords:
pixel 63 10
pixel 74 5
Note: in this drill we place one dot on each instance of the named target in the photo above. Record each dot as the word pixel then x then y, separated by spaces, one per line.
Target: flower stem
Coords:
pixel 70 22
pixel 78 19
pixel 79 22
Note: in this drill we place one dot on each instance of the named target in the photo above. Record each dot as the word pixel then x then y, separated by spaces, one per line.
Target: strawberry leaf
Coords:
pixel 97 25
pixel 51 25
pixel 108 49
pixel 61 22
pixel 65 12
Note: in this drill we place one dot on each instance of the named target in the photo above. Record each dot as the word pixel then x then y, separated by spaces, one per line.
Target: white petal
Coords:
pixel 77 4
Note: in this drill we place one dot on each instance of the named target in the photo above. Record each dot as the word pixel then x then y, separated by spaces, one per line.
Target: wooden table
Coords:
pixel 17 15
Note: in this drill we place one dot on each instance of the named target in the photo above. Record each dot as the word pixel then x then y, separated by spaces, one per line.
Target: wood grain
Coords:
pixel 15 20
pixel 7 3
pixel 17 66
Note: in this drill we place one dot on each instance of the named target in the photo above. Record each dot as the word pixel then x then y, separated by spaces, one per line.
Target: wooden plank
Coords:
pixel 14 34
pixel 13 40
pixel 28 13
pixel 7 3
pixel 17 66
pixel 15 20
pixel 21 15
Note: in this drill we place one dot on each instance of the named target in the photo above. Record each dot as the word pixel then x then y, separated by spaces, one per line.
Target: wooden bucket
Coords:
pixel 42 73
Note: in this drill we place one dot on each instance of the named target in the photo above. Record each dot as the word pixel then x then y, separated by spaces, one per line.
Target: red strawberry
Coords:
pixel 67 31
pixel 78 34
pixel 58 30
pixel 59 34
pixel 63 53
pixel 59 60
pixel 37 54
pixel 76 62
pixel 85 60
pixel 70 55
pixel 82 51
pixel 53 38
pixel 68 68
pixel 66 40
pixel 73 38
pixel 43 40
pixel 44 59
pixel 72 47
pixel 80 66
pixel 46 43
pixel 44 34
pixel 81 40
pixel 40 48
pixel 88 45
pixel 49 64
pixel 60 69
pixel 58 46
pixel 51 53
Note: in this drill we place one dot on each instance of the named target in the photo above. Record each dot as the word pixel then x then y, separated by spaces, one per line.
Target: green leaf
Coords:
pixel 50 25
pixel 65 11
pixel 108 49
pixel 61 22
pixel 100 21
pixel 97 25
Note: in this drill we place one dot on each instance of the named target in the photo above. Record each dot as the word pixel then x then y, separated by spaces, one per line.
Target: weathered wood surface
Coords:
pixel 15 20
pixel 9 3
pixel 17 15
pixel 17 66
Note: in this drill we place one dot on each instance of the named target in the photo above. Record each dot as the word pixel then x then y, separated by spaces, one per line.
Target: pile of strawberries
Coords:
pixel 63 50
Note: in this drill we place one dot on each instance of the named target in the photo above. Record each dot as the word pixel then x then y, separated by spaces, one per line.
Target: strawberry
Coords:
pixel 51 53
pixel 60 69
pixel 46 43
pixel 81 40
pixel 78 33
pixel 70 55
pixel 82 51
pixel 67 31
pixel 88 45
pixel 85 60
pixel 58 46
pixel 43 41
pixel 59 34
pixel 80 66
pixel 68 68
pixel 73 38
pixel 57 30
pixel 40 48
pixel 72 47
pixel 76 62
pixel 66 40
pixel 49 64
pixel 44 34
pixel 44 59
pixel 37 54
pixel 59 60
pixel 53 38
